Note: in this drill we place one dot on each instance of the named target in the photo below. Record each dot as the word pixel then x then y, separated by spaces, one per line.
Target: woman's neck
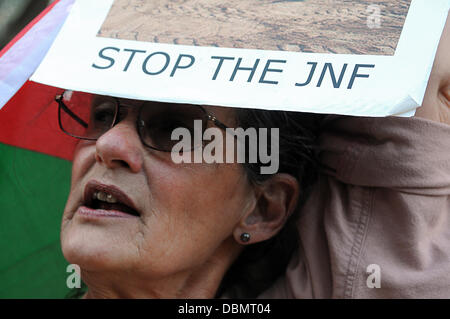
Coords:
pixel 200 282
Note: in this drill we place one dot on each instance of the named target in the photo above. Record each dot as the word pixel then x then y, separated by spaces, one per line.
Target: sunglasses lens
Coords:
pixel 86 115
pixel 166 125
pixel 161 126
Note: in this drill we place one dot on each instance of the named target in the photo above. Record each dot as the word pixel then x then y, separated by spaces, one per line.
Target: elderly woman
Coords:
pixel 140 225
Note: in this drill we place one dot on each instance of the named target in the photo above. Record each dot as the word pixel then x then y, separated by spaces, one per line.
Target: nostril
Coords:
pixel 98 158
pixel 120 163
pixel 110 162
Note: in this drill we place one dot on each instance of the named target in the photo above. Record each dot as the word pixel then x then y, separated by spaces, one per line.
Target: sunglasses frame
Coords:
pixel 140 124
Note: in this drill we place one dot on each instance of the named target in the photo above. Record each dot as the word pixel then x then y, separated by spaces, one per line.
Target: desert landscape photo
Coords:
pixel 319 26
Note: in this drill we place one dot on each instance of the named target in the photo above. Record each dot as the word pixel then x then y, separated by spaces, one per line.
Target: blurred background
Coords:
pixel 15 15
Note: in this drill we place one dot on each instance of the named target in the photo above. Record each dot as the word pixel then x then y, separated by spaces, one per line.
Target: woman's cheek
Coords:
pixel 84 159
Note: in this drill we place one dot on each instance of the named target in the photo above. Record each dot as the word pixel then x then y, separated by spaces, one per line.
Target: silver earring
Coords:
pixel 245 237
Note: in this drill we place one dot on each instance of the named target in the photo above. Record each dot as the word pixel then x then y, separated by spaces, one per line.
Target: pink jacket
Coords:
pixel 385 210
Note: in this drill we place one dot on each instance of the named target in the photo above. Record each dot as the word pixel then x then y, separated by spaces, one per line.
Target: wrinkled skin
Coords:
pixel 191 217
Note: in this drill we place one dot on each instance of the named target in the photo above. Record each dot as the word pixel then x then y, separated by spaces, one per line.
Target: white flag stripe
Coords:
pixel 21 60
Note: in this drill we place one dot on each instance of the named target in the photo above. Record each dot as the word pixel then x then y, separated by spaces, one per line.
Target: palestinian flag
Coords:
pixel 34 166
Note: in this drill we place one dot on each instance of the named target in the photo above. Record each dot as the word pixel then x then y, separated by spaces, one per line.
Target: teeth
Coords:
pixel 101 196
pixel 104 197
pixel 111 199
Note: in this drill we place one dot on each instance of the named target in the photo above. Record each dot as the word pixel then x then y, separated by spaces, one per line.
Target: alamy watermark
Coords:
pixel 74 279
pixel 374 277
pixel 240 146
pixel 374 16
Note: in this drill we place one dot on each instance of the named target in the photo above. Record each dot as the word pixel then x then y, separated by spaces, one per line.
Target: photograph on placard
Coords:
pixel 316 26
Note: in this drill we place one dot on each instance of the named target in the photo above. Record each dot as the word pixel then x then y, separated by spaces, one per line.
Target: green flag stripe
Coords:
pixel 33 190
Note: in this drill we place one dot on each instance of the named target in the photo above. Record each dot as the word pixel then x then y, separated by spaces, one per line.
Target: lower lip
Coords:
pixel 101 213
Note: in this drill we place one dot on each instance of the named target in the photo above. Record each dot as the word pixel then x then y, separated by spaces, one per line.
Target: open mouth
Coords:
pixel 98 196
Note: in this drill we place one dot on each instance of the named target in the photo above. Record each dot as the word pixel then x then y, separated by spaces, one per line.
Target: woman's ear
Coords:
pixel 275 202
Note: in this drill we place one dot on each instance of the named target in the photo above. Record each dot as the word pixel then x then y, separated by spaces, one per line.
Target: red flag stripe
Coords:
pixel 30 120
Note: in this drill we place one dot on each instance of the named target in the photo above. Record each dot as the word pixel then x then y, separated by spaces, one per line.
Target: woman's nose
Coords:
pixel 120 147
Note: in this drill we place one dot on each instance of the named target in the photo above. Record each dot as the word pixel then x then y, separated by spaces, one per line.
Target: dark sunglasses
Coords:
pixel 88 116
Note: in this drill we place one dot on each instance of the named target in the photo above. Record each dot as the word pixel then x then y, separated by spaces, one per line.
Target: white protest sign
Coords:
pixel 365 58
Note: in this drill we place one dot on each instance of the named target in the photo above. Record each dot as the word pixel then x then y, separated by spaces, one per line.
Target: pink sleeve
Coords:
pixel 381 219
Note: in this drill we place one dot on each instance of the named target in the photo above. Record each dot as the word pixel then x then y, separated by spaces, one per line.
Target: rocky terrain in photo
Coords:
pixel 319 26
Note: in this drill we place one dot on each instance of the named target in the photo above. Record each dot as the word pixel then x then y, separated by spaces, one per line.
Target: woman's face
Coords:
pixel 186 212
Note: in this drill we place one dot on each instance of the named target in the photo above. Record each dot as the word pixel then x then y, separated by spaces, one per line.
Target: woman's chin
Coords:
pixel 93 250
